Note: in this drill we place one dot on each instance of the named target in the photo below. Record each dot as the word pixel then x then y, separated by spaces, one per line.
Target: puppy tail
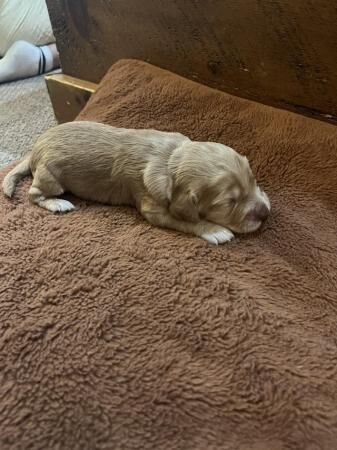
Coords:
pixel 15 175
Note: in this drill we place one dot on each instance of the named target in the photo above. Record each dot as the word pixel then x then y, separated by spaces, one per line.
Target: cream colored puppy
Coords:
pixel 202 188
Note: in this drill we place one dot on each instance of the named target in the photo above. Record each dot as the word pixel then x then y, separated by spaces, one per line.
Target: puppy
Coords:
pixel 201 188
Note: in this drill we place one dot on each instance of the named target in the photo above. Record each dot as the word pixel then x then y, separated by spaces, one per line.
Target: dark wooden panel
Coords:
pixel 280 52
pixel 68 95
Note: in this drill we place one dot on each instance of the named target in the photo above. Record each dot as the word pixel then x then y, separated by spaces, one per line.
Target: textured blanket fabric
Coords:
pixel 117 335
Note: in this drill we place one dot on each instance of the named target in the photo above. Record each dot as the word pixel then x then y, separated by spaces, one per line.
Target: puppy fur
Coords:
pixel 202 188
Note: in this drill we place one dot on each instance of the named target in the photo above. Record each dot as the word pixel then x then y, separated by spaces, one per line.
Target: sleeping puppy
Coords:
pixel 201 188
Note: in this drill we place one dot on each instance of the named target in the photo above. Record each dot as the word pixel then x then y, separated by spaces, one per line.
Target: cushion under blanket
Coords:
pixel 118 335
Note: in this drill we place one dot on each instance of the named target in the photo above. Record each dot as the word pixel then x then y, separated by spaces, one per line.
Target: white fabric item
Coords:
pixel 49 60
pixel 23 60
pixel 26 20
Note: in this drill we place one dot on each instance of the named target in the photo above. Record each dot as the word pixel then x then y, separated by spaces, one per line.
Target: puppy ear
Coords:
pixel 157 181
pixel 185 206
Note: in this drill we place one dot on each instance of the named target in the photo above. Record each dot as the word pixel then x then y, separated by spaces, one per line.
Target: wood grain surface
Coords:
pixel 68 95
pixel 279 52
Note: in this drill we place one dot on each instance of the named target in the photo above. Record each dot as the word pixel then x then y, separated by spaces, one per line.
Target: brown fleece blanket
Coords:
pixel 117 335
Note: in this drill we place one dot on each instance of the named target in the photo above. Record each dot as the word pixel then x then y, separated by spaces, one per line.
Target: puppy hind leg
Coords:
pixel 37 196
pixel 45 186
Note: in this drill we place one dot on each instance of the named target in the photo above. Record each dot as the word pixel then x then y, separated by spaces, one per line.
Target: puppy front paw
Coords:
pixel 217 235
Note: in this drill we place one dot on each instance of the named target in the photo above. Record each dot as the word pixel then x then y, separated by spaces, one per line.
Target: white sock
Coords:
pixel 47 60
pixel 24 60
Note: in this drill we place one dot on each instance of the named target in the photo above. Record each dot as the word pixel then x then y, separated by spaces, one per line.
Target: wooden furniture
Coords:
pixel 278 52
pixel 68 95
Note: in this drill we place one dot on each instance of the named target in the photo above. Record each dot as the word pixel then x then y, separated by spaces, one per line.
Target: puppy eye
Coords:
pixel 232 201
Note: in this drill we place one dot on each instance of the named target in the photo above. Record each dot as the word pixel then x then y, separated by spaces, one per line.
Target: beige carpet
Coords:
pixel 25 112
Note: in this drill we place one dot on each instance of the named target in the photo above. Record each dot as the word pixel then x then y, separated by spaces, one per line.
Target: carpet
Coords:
pixel 117 335
pixel 25 112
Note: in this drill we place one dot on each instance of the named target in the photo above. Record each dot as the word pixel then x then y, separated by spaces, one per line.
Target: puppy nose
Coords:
pixel 261 212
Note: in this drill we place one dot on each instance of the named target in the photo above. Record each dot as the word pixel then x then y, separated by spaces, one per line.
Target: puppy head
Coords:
pixel 213 182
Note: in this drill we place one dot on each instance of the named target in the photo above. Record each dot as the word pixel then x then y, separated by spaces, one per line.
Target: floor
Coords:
pixel 25 112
